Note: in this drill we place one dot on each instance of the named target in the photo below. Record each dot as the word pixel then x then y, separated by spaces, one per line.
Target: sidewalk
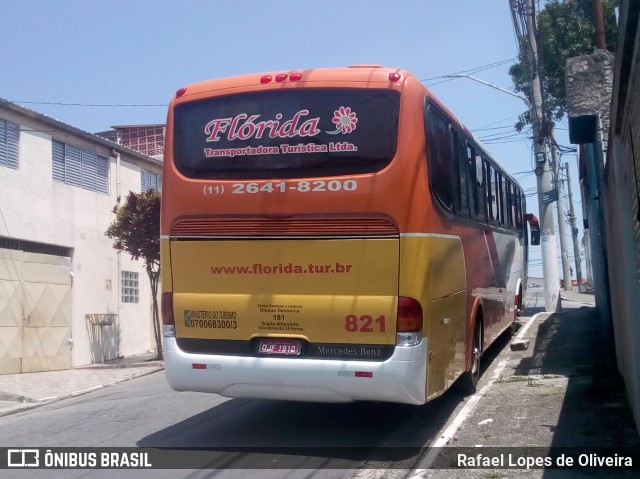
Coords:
pixel 564 391
pixel 19 392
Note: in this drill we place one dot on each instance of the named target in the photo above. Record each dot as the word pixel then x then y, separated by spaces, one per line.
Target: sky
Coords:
pixel 95 64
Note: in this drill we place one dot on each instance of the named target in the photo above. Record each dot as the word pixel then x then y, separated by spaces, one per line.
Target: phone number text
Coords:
pixel 282 187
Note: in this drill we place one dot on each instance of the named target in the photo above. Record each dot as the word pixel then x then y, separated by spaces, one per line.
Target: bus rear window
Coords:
pixel 287 133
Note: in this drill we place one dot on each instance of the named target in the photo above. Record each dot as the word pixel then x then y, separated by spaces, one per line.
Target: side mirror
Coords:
pixel 534 225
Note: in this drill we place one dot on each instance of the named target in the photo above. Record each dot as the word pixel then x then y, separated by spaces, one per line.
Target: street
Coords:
pixel 555 393
pixel 145 412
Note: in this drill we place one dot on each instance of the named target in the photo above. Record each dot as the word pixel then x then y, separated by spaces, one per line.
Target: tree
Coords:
pixel 565 30
pixel 136 230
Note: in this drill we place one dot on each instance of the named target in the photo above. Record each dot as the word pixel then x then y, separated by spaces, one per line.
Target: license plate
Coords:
pixel 282 347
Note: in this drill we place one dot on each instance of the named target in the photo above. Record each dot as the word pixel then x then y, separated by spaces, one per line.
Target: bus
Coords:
pixel 333 235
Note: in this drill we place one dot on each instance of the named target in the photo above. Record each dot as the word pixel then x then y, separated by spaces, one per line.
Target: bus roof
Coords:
pixel 360 75
pixel 369 74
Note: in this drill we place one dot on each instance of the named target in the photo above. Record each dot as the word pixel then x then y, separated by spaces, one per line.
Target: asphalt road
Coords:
pixel 321 440
pixel 145 412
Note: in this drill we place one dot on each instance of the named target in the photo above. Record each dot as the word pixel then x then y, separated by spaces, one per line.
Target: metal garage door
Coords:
pixel 35 312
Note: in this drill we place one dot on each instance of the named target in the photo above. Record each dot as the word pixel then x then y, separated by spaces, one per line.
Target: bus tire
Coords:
pixel 469 380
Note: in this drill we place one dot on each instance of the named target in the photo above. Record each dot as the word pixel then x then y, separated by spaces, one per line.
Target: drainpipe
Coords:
pixel 116 155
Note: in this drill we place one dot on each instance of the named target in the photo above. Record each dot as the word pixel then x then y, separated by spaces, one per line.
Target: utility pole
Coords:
pixel 524 21
pixel 564 253
pixel 598 22
pixel 574 231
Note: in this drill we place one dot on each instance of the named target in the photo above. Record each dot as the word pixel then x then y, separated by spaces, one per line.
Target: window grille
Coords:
pixel 150 180
pixel 9 136
pixel 82 168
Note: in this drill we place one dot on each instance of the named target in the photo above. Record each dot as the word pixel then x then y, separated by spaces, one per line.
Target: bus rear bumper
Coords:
pixel 399 379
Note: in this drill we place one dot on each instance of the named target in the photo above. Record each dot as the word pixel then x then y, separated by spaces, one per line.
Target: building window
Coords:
pixel 150 180
pixel 77 167
pixel 9 133
pixel 130 287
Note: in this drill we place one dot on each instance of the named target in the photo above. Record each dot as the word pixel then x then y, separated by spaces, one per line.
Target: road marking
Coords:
pixel 526 326
pixel 465 412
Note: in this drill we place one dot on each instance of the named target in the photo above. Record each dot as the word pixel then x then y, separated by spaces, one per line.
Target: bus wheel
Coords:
pixel 469 380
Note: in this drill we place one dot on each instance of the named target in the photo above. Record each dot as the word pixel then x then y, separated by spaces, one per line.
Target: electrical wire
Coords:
pixel 98 105
pixel 469 71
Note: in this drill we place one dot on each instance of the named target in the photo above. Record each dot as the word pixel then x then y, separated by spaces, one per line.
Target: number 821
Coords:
pixel 364 324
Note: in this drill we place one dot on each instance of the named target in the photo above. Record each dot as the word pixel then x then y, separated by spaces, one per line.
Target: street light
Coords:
pixel 460 75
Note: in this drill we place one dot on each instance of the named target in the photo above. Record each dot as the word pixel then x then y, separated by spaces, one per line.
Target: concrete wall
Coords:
pixel 621 196
pixel 589 80
pixel 35 208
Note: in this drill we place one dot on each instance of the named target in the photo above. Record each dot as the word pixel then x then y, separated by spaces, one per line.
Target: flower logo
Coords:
pixel 345 121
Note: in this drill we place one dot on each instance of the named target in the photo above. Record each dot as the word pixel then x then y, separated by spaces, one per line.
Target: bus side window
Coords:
pixel 471 181
pixel 501 204
pixel 460 171
pixel 440 164
pixel 490 182
pixel 481 185
pixel 511 205
pixel 518 209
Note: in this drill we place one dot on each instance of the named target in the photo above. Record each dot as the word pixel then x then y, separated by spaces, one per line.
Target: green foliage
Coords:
pixel 565 30
pixel 136 230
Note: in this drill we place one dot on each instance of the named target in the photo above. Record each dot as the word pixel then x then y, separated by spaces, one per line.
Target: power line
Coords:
pixel 495 128
pixel 98 105
pixel 495 123
pixel 472 70
pixel 164 105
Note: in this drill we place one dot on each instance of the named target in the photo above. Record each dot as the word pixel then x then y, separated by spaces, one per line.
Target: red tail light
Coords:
pixel 394 77
pixel 167 309
pixel 281 77
pixel 181 92
pixel 409 315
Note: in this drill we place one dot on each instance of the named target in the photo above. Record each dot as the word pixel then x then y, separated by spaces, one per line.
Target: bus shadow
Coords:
pixel 493 351
pixel 253 434
pixel 243 433
pixel 260 434
pixel 247 433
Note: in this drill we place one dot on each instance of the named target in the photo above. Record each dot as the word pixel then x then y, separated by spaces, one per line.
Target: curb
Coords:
pixel 43 402
pixel 145 364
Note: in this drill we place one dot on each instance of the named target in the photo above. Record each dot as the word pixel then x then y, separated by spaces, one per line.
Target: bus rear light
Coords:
pixel 409 326
pixel 280 77
pixel 394 77
pixel 181 92
pixel 409 315
pixel 198 366
pixel 167 309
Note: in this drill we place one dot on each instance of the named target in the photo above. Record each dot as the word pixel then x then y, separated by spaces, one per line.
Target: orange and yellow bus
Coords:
pixel 332 235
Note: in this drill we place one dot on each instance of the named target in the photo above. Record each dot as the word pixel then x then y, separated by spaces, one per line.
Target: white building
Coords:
pixel 58 187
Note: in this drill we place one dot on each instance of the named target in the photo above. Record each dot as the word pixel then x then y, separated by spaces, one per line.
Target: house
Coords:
pixel 67 298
